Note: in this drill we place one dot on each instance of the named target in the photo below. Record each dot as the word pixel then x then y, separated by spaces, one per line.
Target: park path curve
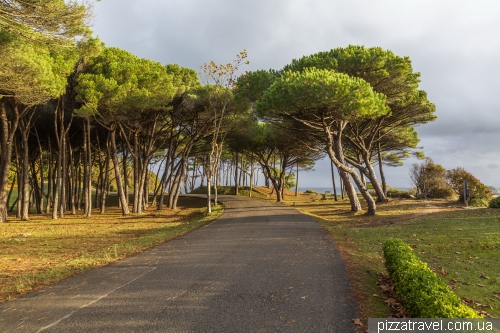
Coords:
pixel 261 267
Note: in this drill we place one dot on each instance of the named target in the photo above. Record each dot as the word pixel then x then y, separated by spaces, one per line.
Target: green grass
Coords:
pixel 41 251
pixel 461 246
pixel 229 190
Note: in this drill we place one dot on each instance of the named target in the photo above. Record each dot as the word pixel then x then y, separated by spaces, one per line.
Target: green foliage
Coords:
pixel 479 194
pixel 306 94
pixel 494 203
pixel 311 192
pixel 429 179
pixel 221 190
pixel 120 85
pixel 183 78
pixel 251 85
pixel 32 73
pixel 424 294
pixel 49 22
pixel 478 202
pixel 290 180
pixel 397 193
pixel 387 74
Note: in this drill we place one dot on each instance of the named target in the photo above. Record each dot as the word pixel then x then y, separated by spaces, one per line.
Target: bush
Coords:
pixel 424 294
pixel 478 202
pixel 442 192
pixel 494 203
pixel 311 192
pixel 477 190
pixel 429 180
pixel 395 193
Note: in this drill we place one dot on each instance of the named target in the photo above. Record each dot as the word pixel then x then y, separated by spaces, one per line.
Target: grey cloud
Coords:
pixel 454 44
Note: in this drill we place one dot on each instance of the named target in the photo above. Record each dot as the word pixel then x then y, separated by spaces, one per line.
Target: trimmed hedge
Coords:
pixel 423 293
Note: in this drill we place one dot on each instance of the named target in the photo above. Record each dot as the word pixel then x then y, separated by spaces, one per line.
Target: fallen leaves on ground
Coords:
pixel 387 287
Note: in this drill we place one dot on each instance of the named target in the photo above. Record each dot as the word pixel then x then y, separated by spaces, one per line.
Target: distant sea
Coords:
pixel 323 189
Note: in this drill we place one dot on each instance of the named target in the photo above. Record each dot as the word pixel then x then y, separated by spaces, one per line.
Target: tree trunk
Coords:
pixel 105 183
pixel 125 174
pixel 57 174
pixel 118 177
pixel 175 183
pixel 25 184
pixel 9 128
pixel 36 188
pixel 335 152
pixel 251 176
pixel 136 207
pixel 297 180
pixel 381 169
pixel 71 178
pixel 41 189
pixel 381 197
pixel 169 162
pixel 333 181
pixel 180 172
pixel 79 184
pixel 64 173
pixel 12 187
pixel 342 187
pixel 236 183
pixel 50 178
pixel 87 169
pixel 209 186
pixel 355 206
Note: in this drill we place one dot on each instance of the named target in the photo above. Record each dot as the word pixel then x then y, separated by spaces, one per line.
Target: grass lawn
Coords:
pixel 461 245
pixel 42 251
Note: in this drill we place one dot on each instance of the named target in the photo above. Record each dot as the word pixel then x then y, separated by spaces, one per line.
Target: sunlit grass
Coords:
pixel 42 250
pixel 461 246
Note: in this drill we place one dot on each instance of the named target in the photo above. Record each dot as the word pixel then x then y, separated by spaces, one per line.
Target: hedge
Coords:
pixel 494 203
pixel 419 288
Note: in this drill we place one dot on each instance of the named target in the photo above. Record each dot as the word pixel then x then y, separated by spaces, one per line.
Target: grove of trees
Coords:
pixel 79 118
pixel 358 105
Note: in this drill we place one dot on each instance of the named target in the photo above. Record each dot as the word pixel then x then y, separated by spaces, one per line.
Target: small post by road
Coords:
pixel 466 194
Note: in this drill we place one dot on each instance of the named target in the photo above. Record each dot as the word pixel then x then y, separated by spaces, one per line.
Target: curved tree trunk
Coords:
pixel 372 208
pixel 381 169
pixel 335 152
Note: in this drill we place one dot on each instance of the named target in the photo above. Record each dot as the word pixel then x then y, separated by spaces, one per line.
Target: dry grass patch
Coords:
pixel 41 251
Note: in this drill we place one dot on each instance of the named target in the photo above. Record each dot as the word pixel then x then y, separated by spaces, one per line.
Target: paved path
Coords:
pixel 261 267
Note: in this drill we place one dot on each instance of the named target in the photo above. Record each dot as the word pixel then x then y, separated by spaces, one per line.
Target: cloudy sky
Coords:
pixel 455 45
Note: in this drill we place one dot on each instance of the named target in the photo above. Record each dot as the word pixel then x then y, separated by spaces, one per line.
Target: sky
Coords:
pixel 455 45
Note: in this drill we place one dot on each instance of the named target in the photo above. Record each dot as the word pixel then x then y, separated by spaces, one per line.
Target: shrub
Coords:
pixel 477 190
pixel 311 192
pixel 442 192
pixel 478 202
pixel 429 180
pixel 424 294
pixel 395 193
pixel 494 203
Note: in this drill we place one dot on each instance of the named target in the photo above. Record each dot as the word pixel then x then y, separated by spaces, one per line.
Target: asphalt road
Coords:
pixel 261 267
